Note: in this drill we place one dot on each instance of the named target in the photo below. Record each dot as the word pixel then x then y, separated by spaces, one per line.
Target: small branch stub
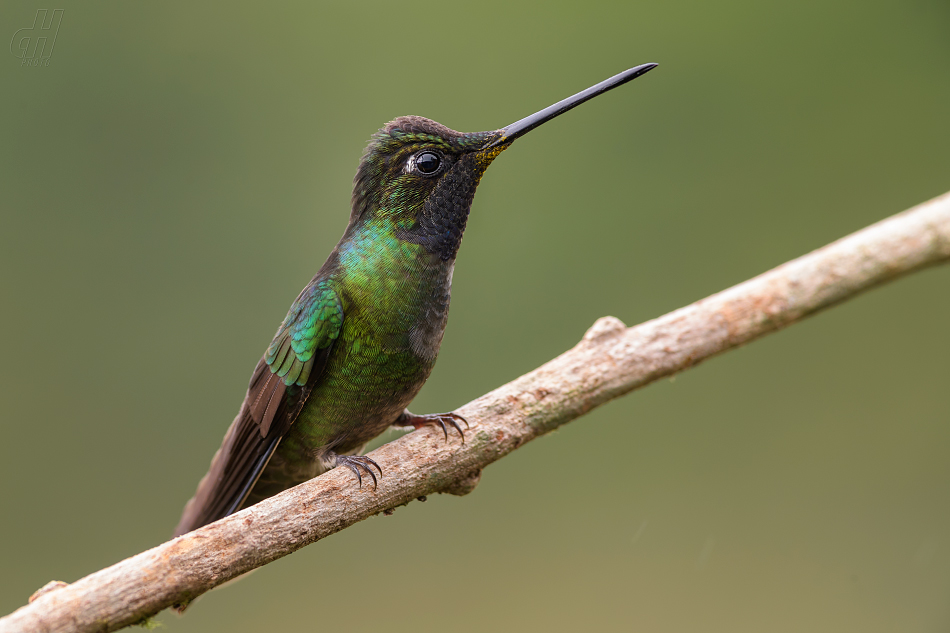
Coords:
pixel 464 485
pixel 52 585
pixel 603 328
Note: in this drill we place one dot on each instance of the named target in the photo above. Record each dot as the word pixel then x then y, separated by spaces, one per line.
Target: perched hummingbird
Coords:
pixel 361 339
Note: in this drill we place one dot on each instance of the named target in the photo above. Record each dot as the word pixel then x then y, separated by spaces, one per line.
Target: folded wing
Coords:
pixel 279 388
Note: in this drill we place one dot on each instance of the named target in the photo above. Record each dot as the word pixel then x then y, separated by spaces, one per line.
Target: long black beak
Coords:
pixel 525 125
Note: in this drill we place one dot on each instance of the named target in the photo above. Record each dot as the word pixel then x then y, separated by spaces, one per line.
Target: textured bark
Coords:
pixel 610 361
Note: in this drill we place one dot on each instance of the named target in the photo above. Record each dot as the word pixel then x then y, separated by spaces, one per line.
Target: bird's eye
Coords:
pixel 427 163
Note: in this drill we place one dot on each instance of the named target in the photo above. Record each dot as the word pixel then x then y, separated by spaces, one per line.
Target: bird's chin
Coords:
pixel 484 157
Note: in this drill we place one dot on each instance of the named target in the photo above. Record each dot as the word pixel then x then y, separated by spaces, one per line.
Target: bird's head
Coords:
pixel 418 177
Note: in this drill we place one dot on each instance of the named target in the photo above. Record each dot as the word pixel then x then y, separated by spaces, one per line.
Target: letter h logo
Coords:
pixel 34 45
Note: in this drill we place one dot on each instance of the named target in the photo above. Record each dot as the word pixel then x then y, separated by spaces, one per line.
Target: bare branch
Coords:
pixel 610 361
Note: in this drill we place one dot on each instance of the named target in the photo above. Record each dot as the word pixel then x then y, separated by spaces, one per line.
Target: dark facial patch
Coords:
pixel 440 226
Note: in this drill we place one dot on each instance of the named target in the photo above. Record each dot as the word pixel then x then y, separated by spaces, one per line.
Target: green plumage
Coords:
pixel 391 289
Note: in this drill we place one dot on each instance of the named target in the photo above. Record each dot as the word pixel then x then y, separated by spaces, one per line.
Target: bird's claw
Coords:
pixel 356 462
pixel 442 419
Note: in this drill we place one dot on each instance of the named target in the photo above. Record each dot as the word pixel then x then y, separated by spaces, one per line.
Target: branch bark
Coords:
pixel 610 361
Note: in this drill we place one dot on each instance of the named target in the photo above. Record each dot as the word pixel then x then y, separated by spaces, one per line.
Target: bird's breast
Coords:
pixel 397 293
pixel 425 333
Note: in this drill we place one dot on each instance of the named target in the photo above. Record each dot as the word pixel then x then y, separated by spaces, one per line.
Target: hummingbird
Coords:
pixel 362 337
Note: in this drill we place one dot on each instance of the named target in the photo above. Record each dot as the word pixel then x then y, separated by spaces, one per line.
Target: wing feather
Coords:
pixel 279 388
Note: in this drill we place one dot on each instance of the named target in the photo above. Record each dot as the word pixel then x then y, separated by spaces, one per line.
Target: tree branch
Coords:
pixel 610 361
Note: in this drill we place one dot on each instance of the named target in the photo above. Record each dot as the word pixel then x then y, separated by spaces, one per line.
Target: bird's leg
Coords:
pixel 407 418
pixel 355 463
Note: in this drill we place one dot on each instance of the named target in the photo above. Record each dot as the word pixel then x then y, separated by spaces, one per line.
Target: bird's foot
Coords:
pixel 442 419
pixel 357 462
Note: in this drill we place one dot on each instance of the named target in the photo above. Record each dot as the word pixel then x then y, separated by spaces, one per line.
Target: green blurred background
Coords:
pixel 180 170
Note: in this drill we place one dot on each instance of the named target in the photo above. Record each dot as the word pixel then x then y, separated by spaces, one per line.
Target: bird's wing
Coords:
pixel 279 388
